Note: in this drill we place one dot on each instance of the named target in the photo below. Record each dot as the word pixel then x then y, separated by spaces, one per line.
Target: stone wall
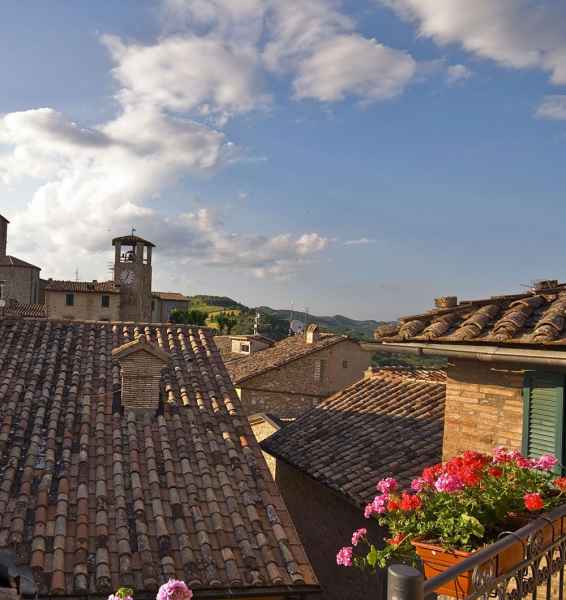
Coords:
pixel 293 388
pixel 484 407
pixel 87 306
pixel 141 380
pixel 22 283
pixel 325 522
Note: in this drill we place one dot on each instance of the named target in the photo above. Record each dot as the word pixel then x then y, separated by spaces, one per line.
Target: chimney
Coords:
pixel 545 284
pixel 446 302
pixel 312 334
pixel 141 366
pixel 3 235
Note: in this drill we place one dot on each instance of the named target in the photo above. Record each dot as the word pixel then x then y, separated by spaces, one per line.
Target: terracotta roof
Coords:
pixel 35 311
pixel 92 499
pixel 12 261
pixel 171 296
pixel 388 424
pixel 224 345
pixel 281 353
pixel 533 318
pixel 131 240
pixel 107 287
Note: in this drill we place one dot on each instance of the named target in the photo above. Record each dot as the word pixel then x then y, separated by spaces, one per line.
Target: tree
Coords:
pixel 225 321
pixel 189 317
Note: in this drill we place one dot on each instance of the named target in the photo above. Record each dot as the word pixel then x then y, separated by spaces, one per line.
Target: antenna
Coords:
pixel 77 274
pixel 256 323
pixel 291 316
pixel 134 230
pixel 110 266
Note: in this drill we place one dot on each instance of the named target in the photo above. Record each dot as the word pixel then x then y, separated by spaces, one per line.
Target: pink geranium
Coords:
pixel 358 535
pixel 547 462
pixel 448 483
pixel 174 590
pixel 418 484
pixel 344 557
pixel 387 485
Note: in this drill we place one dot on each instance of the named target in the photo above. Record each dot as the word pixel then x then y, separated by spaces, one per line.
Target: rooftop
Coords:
pixel 92 499
pixel 107 287
pixel 534 317
pixel 281 353
pixel 12 261
pixel 131 240
pixel 15 309
pixel 171 296
pixel 388 424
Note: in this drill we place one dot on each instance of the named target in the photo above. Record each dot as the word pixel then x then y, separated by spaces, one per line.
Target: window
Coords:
pixel 344 364
pixel 70 300
pixel 245 348
pixel 543 415
pixel 3 292
pixel 319 370
pixel 105 301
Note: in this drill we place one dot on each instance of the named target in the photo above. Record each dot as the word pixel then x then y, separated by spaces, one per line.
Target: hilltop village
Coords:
pixel 134 449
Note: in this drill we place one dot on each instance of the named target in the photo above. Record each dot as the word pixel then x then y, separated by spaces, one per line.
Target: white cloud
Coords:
pixel 457 73
pixel 553 107
pixel 327 59
pixel 359 242
pixel 515 33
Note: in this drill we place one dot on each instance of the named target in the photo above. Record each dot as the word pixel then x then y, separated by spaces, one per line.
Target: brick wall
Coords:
pixel 22 284
pixel 325 522
pixel 484 407
pixel 87 306
pixel 141 380
pixel 290 390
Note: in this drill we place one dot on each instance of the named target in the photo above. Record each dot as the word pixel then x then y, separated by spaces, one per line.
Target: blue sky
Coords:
pixel 353 157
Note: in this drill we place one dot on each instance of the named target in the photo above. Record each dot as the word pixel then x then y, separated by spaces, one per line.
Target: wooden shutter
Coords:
pixel 543 430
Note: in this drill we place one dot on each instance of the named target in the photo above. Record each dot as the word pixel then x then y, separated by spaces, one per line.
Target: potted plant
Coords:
pixel 172 590
pixel 454 509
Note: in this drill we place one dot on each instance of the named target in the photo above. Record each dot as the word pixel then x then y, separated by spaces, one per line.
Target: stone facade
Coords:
pixel 87 306
pixel 161 309
pixel 325 522
pixel 21 283
pixel 297 386
pixel 484 407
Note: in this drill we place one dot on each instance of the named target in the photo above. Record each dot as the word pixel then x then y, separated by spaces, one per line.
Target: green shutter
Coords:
pixel 543 431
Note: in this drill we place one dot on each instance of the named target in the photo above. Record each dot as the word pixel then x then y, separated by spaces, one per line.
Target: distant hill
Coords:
pixel 276 321
pixel 336 324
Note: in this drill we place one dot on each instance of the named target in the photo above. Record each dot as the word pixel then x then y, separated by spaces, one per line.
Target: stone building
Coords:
pixel 298 372
pixel 19 280
pixel 507 368
pixel 132 272
pixel 238 346
pixel 164 303
pixel 82 300
pixel 100 491
pixel 389 424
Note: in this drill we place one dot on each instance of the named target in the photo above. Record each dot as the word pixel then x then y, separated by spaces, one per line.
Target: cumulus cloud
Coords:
pixel 457 73
pixel 552 107
pixel 328 60
pixel 515 33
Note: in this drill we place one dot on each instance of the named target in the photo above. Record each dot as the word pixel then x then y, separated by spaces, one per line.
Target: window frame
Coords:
pixel 70 299
pixel 105 301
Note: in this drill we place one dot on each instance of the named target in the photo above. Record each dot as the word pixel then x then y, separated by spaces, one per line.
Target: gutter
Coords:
pixel 469 352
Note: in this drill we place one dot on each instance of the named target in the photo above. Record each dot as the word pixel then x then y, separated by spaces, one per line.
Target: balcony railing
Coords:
pixel 539 575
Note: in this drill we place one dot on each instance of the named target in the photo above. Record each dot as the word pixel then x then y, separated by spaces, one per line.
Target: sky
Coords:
pixel 356 157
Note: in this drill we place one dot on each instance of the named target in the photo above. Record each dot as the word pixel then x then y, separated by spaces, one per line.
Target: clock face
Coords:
pixel 127 277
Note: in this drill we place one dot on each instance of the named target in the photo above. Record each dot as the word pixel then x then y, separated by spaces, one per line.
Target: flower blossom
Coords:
pixel 533 502
pixel 174 590
pixel 396 539
pixel 560 483
pixel 418 484
pixel 358 535
pixel 495 471
pixel 387 485
pixel 344 556
pixel 379 506
pixel 448 483
pixel 546 462
pixel 410 502
pixel 392 505
pixel 525 463
pixel 431 473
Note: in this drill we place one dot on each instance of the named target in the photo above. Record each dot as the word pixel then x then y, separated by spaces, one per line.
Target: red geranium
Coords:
pixel 431 473
pixel 495 471
pixel 396 539
pixel 533 502
pixel 392 505
pixel 560 483
pixel 410 502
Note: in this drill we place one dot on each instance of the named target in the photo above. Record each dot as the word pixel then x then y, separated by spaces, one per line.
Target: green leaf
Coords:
pixel 372 556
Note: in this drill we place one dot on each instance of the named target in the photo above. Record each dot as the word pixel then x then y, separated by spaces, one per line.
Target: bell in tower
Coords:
pixel 132 272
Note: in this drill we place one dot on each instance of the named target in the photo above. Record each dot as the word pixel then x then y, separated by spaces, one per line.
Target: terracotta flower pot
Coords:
pixel 437 559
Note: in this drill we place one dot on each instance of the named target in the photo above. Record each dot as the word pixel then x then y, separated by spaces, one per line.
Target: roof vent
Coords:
pixel 312 334
pixel 446 302
pixel 544 284
pixel 141 367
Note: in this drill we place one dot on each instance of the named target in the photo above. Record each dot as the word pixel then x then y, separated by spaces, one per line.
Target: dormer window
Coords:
pixel 141 366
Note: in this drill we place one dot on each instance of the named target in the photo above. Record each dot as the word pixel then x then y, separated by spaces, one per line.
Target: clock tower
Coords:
pixel 132 271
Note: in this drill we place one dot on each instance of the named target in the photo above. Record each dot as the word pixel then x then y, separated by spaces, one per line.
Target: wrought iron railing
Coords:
pixel 538 572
